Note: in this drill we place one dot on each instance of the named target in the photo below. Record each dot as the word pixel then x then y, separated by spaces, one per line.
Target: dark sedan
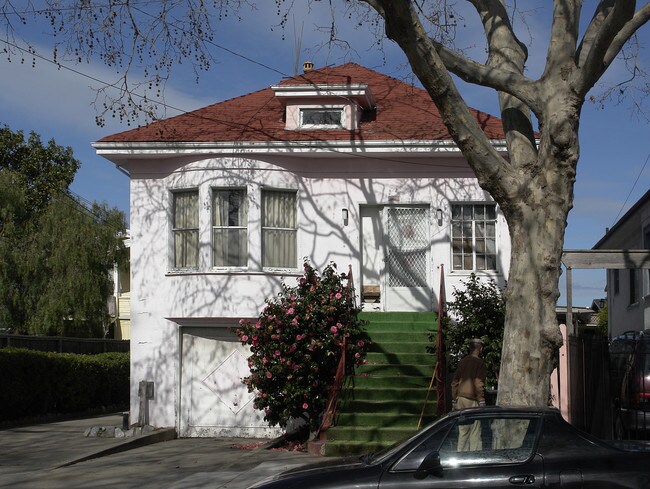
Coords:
pixel 510 447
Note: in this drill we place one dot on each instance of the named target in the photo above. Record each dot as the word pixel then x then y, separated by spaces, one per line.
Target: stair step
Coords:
pixel 349 449
pixel 379 381
pixel 385 420
pixel 383 402
pixel 419 337
pixel 395 370
pixel 400 358
pixel 372 394
pixel 399 347
pixel 370 434
pixel 400 317
pixel 387 406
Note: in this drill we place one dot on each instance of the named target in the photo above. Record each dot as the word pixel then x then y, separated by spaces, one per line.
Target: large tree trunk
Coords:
pixel 537 217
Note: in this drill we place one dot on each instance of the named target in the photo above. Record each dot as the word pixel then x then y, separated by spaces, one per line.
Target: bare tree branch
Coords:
pixel 625 34
pixel 617 13
pixel 504 81
pixel 404 27
pixel 564 36
pixel 507 56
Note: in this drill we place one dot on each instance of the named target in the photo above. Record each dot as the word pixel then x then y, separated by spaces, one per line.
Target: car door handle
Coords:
pixel 522 479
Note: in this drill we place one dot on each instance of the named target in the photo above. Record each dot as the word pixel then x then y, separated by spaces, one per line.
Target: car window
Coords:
pixel 477 440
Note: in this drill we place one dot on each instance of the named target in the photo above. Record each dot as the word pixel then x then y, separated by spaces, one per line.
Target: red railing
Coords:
pixel 339 377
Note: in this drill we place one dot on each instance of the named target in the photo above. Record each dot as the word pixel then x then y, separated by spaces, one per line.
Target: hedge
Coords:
pixel 35 383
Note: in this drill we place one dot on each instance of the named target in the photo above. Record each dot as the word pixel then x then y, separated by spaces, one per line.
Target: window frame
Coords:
pixel 179 230
pixel 474 238
pixel 243 226
pixel 264 228
pixel 303 125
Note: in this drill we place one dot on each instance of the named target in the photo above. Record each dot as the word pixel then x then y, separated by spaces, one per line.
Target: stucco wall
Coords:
pixel 163 301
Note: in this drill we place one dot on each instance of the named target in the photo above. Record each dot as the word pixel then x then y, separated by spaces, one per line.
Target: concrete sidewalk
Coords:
pixel 58 455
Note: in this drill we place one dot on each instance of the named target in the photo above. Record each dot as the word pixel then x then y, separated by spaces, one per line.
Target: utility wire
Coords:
pixel 194 114
pixel 632 189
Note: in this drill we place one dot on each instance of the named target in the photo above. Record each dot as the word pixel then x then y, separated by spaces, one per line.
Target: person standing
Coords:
pixel 467 391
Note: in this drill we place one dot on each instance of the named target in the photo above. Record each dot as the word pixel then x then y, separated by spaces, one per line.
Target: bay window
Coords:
pixel 185 228
pixel 279 229
pixel 229 228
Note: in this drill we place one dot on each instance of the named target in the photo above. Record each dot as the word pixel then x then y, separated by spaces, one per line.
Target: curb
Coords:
pixel 164 434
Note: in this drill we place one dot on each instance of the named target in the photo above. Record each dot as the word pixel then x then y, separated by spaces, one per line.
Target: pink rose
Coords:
pixel 305 405
pixel 338 295
pixel 333 329
pixel 268 374
pixel 244 338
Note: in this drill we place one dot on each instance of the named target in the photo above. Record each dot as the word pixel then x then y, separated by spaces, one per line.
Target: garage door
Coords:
pixel 214 402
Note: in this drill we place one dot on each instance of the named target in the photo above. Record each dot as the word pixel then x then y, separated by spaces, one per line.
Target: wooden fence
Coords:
pixel 59 344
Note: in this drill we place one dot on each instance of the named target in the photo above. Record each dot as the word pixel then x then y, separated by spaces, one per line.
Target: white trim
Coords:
pixel 359 92
pixel 158 149
pixel 339 109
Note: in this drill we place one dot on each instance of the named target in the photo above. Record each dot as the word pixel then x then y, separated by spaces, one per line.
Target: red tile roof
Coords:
pixel 404 113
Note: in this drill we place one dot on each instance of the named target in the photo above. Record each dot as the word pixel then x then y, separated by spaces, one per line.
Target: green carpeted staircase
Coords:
pixel 382 403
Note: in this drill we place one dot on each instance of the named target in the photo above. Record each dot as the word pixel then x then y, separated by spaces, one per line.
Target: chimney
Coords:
pixel 307 66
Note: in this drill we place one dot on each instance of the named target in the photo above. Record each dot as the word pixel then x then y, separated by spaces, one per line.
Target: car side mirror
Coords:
pixel 430 466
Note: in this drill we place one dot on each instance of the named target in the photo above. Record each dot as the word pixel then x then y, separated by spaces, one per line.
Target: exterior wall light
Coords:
pixel 439 216
pixel 345 215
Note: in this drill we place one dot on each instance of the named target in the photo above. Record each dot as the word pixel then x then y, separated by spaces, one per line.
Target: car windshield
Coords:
pixel 385 453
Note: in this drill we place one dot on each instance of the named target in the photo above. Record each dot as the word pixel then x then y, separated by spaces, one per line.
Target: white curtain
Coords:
pixel 186 229
pixel 229 231
pixel 279 229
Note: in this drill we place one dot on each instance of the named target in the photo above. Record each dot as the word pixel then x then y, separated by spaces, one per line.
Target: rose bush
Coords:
pixel 296 344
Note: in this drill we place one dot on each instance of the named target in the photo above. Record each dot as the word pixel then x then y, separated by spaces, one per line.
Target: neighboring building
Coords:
pixel 340 164
pixel 120 301
pixel 628 289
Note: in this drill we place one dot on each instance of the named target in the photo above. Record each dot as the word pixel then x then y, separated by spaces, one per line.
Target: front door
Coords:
pixel 407 249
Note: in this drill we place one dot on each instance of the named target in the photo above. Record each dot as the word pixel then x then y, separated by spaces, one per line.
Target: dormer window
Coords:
pixel 321 118
pixel 317 106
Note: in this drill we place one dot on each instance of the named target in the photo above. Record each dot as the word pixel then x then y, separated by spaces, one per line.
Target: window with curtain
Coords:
pixel 473 236
pixel 279 229
pixel 185 229
pixel 229 228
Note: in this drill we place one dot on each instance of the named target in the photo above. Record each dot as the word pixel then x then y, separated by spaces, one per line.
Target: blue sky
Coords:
pixel 613 172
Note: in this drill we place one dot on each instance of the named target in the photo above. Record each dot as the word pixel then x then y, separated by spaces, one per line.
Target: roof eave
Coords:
pixel 169 149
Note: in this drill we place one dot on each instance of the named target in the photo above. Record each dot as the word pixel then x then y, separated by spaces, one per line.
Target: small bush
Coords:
pixel 477 311
pixel 36 383
pixel 296 345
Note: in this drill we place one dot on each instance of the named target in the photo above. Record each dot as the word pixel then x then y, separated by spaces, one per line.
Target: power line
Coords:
pixel 632 189
pixel 193 113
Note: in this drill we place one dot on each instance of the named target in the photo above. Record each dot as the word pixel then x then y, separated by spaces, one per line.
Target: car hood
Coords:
pixel 307 476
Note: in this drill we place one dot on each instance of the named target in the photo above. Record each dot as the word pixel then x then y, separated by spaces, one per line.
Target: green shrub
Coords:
pixel 296 345
pixel 477 311
pixel 36 383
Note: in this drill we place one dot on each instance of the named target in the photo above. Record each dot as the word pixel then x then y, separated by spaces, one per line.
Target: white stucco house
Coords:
pixel 339 164
pixel 628 288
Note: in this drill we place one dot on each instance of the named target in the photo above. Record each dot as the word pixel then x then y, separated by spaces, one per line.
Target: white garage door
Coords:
pixel 214 402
